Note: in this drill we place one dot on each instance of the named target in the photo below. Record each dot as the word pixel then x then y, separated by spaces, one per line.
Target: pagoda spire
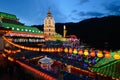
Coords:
pixel 49 13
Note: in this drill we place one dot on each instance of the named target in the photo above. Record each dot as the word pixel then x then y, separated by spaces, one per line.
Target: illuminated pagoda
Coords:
pixel 49 25
pixel 49 28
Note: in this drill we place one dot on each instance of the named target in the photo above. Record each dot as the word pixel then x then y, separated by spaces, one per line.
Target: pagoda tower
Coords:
pixel 49 25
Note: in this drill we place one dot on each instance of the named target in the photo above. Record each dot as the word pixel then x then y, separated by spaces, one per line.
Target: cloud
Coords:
pixel 83 1
pixel 113 8
pixel 92 14
pixel 74 11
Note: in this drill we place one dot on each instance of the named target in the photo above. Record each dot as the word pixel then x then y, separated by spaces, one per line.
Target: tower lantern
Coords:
pixel 64 31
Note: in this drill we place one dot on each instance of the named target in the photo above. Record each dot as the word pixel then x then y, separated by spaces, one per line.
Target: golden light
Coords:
pixel 86 52
pixel 70 50
pixel 75 51
pixel 11 59
pixel 116 56
pixel 100 54
pixel 52 50
pixel 42 49
pixel 58 49
pixel 66 50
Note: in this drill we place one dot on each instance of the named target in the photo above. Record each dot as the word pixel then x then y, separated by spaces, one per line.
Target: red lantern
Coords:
pixel 70 50
pixel 92 53
pixel 80 52
pixel 107 54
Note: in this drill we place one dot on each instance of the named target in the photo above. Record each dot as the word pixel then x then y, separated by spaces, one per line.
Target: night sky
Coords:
pixel 33 12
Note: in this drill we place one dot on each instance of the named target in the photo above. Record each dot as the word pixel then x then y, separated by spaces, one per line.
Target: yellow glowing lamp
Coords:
pixel 107 54
pixel 86 52
pixel 116 56
pixel 92 53
pixel 100 54
pixel 75 51
pixel 70 50
pixel 80 52
pixel 58 50
pixel 52 50
pixel 66 50
pixel 42 49
pixel 47 50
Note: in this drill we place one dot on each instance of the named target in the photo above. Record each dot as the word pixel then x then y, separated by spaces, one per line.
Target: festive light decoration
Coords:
pixel 92 53
pixel 70 50
pixel 107 54
pixel 80 52
pixel 116 56
pixel 100 54
pixel 75 51
pixel 86 52
pixel 66 50
pixel 25 34
pixel 19 46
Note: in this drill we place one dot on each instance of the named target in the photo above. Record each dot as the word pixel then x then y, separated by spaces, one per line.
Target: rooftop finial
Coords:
pixel 49 13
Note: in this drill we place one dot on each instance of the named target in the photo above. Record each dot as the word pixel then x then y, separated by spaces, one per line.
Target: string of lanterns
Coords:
pixel 85 52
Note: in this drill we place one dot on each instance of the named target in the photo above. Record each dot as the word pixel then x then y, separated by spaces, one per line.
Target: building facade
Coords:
pixel 49 25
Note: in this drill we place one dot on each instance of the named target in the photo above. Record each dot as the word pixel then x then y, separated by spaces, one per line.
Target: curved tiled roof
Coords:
pixel 8 16
pixel 21 28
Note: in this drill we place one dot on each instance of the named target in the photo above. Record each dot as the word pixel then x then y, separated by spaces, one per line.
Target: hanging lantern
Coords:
pixel 107 54
pixel 66 50
pixel 42 49
pixel 75 51
pixel 100 54
pixel 92 53
pixel 55 49
pixel 58 49
pixel 47 49
pixel 70 50
pixel 80 52
pixel 52 50
pixel 86 52
pixel 61 49
pixel 116 56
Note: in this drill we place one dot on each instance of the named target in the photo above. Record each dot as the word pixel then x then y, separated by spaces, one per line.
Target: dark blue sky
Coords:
pixel 33 12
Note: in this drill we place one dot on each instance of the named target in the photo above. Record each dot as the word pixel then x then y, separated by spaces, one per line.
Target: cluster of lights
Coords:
pixel 11 51
pixel 51 49
pixel 28 40
pixel 19 46
pixel 85 52
pixel 23 34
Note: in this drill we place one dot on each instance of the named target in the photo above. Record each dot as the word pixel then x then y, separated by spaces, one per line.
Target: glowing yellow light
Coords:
pixel 75 51
pixel 66 50
pixel 100 54
pixel 86 52
pixel 116 56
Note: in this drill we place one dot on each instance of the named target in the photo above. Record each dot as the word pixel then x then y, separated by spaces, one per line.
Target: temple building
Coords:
pixel 49 28
pixel 49 25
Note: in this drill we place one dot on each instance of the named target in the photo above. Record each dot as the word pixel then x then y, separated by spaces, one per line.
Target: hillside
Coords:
pixel 96 32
